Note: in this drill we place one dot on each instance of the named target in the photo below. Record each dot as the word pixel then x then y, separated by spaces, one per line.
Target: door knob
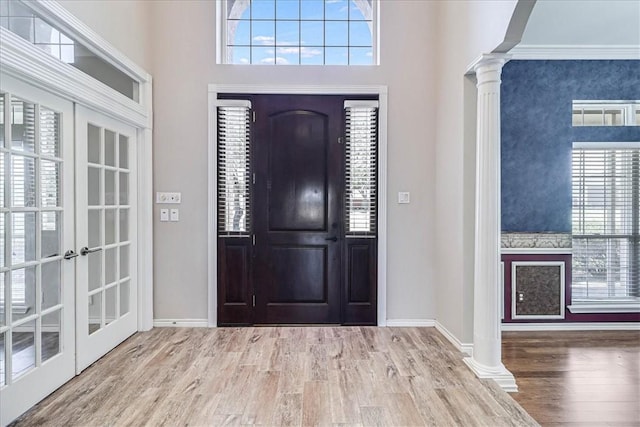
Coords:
pixel 70 254
pixel 84 251
pixel 332 238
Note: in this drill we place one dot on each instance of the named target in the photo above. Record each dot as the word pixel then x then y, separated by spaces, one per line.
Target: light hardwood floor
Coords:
pixel 359 376
pixel 576 378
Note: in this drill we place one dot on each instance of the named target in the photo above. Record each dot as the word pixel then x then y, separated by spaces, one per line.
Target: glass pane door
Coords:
pixel 106 289
pixel 37 352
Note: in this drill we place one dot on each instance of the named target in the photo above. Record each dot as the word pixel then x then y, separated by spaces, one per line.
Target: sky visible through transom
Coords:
pixel 306 32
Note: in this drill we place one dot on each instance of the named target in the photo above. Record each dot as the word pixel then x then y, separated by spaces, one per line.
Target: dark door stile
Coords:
pixel 297 267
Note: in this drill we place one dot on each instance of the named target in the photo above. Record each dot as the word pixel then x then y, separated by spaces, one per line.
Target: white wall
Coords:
pixel 183 52
pixel 466 29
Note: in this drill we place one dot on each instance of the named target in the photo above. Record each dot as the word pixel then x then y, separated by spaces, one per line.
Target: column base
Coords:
pixel 499 374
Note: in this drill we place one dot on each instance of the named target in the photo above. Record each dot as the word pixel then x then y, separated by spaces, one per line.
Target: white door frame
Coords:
pixel 30 64
pixel 214 90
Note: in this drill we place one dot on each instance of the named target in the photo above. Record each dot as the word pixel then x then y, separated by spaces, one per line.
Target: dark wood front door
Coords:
pixel 298 162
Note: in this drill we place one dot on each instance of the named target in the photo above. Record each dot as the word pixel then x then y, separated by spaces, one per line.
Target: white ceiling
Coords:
pixel 583 22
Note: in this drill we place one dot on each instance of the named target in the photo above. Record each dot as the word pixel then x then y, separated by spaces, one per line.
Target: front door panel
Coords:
pixel 298 191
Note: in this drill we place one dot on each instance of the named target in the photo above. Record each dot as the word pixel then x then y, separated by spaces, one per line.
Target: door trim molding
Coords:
pixel 213 91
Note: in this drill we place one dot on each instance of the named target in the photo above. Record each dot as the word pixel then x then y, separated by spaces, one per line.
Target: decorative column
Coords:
pixel 486 359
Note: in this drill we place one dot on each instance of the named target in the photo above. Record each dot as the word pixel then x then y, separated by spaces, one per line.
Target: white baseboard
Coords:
pixel 423 323
pixel 499 374
pixel 577 326
pixel 180 323
pixel 466 348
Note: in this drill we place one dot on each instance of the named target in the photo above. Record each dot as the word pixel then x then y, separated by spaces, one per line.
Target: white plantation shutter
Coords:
pixel 606 221
pixel 234 168
pixel 361 164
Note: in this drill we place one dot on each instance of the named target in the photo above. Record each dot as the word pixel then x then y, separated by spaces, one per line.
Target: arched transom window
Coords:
pixel 299 32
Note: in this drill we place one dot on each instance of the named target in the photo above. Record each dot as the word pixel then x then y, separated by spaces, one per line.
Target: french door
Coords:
pixel 37 275
pixel 106 290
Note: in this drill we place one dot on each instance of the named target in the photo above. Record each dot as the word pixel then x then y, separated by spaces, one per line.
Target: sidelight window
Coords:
pixel 361 164
pixel 234 148
pixel 606 221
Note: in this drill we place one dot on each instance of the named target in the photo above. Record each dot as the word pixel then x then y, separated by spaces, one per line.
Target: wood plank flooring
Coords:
pixel 341 376
pixel 576 378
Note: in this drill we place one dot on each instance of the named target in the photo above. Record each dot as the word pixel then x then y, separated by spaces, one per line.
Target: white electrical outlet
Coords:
pixel 173 198
pixel 174 215
pixel 164 215
pixel 404 197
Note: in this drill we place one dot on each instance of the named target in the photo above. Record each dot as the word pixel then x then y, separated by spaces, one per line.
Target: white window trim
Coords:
pixel 221 36
pixel 212 248
pixel 27 62
pixel 629 106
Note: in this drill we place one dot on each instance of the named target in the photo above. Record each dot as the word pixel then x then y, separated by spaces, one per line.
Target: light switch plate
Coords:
pixel 174 215
pixel 173 198
pixel 404 197
pixel 164 215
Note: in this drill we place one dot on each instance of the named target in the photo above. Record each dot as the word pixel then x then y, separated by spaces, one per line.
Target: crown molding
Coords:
pixel 558 52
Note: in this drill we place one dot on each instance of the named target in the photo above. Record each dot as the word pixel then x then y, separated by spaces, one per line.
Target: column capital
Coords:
pixel 488 67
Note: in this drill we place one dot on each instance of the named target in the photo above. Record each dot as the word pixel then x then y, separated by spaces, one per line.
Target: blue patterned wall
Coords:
pixel 537 135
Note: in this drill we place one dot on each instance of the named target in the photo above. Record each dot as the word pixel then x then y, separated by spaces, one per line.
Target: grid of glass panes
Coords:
pixel 109 219
pixel 31 215
pixel 608 113
pixel 306 32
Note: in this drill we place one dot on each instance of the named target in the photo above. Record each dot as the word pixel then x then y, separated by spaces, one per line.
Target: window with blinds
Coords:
pixel 606 221
pixel 361 164
pixel 234 168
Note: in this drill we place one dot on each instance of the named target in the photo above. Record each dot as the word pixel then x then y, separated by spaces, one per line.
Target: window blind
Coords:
pixel 361 164
pixel 606 221
pixel 234 168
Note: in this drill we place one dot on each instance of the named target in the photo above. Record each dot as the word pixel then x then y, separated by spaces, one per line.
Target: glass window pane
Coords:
pixel 240 55
pixel 22 26
pixel 287 9
pixel 23 181
pixel 109 148
pixel 23 350
pixel 355 14
pixel 263 55
pixel 51 334
pixel 359 34
pixel 2 240
pixel 312 9
pixel 287 33
pixel 23 237
pixel 360 55
pixel 93 138
pixel 50 234
pixel 95 313
pixel 95 270
pixel 109 226
pixel 239 33
pixel 2 120
pixel 576 118
pixel 336 55
pixel 51 284
pixel 263 33
pixel 123 152
pixel 263 9
pixel 93 187
pixel 124 261
pixel 49 132
pixel 3 160
pixel 124 225
pixel 49 183
pixel 110 313
pixel 336 34
pixel 336 9
pixel 312 33
pixel 3 309
pixel 45 33
pixel 23 292
pixel 124 188
pixel 109 187
pixel 23 126
pixel 124 298
pixel 110 265
pixel 593 118
pixel 312 56
pixel 95 228
pixel 2 363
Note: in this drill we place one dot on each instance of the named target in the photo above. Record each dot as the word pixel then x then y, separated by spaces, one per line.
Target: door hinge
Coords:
pixel 254 178
pixel 253 239
pixel 340 140
pixel 253 116
pixel 254 300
